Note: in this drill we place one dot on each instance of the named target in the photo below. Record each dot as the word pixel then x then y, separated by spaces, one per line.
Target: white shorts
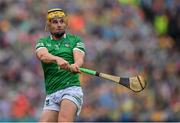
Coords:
pixel 73 94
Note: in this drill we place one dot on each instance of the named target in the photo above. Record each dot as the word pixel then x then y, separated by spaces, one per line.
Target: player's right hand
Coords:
pixel 63 63
pixel 74 68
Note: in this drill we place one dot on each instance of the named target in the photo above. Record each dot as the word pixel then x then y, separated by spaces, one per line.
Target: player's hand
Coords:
pixel 74 68
pixel 62 63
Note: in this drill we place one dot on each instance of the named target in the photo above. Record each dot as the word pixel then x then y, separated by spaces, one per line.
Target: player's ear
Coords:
pixel 47 26
pixel 67 22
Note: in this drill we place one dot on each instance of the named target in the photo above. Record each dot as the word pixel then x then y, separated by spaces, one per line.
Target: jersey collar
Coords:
pixel 64 36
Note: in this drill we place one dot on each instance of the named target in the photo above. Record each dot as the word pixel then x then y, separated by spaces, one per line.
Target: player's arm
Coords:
pixel 43 55
pixel 78 57
pixel 78 60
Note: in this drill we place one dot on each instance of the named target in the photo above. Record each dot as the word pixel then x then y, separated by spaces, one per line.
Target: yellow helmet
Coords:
pixel 56 12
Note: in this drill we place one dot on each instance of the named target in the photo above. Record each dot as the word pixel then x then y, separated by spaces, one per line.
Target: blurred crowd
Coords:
pixel 122 37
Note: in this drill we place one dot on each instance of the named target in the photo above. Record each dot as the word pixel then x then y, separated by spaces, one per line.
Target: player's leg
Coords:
pixel 50 111
pixel 71 103
pixel 67 111
pixel 49 116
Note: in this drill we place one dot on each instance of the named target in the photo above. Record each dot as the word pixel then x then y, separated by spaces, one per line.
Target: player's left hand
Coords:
pixel 74 68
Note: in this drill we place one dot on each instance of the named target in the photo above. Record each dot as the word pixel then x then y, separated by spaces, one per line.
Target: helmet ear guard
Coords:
pixel 52 13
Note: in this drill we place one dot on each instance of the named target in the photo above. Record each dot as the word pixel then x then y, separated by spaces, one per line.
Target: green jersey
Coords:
pixel 55 77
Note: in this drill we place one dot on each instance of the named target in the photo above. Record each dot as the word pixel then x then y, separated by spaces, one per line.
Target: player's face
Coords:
pixel 57 25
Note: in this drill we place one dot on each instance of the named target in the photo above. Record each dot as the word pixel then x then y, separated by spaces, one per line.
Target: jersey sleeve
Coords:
pixel 40 44
pixel 79 45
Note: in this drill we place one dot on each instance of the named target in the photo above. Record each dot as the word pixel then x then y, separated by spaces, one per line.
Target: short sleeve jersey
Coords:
pixel 55 77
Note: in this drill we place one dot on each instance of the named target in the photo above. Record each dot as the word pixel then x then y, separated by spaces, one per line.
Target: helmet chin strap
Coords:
pixel 58 34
